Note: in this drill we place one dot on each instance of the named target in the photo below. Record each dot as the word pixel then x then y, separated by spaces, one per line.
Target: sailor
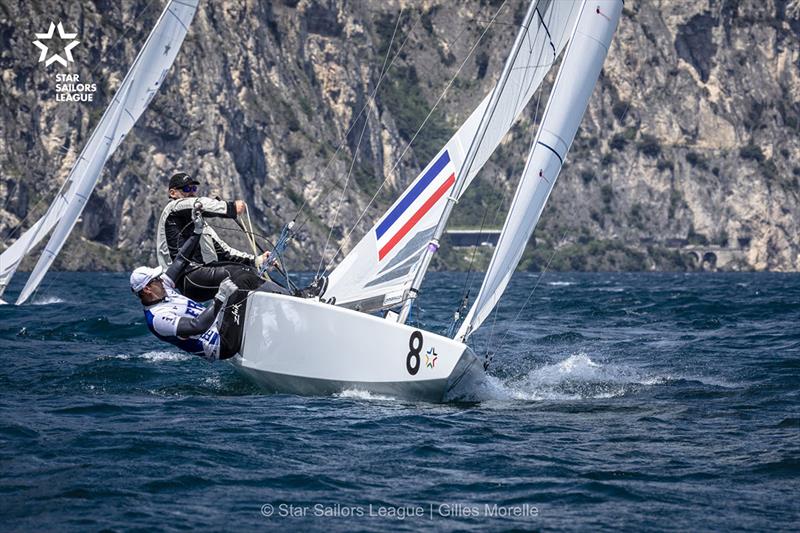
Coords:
pixel 213 332
pixel 212 261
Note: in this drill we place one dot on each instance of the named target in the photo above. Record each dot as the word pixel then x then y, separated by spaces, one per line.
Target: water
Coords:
pixel 643 401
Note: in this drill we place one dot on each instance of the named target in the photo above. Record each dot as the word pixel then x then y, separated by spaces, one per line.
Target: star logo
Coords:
pixel 431 357
pixel 64 36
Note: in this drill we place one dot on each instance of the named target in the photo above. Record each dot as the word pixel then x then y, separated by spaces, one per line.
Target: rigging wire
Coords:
pixel 332 183
pixel 413 138
pixel 527 299
pixel 358 146
pixel 468 282
pixel 497 306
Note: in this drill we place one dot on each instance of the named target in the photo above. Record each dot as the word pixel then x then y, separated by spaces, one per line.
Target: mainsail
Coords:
pixel 379 270
pixel 569 98
pixel 131 99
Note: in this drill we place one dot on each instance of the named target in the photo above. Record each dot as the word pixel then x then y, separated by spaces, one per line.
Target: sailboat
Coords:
pixel 363 341
pixel 131 99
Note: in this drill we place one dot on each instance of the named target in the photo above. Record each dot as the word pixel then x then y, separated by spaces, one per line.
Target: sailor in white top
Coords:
pixel 209 332
pixel 171 316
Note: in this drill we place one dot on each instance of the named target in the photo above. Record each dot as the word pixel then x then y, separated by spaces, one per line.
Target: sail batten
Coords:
pixel 127 105
pixel 569 98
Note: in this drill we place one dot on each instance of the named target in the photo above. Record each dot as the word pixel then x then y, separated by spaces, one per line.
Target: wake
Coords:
pixel 577 377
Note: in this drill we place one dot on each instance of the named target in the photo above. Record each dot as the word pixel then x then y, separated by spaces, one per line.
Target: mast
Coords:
pixel 463 173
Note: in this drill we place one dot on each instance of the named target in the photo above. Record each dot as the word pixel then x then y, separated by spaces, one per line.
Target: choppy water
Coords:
pixel 643 401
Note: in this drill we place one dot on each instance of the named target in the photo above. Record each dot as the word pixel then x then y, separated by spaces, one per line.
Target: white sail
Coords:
pixel 132 98
pixel 13 255
pixel 576 79
pixel 378 271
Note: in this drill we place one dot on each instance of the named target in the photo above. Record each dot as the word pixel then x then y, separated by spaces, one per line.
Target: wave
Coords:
pixel 577 377
pixel 157 357
pixel 356 394
pixel 560 283
pixel 47 300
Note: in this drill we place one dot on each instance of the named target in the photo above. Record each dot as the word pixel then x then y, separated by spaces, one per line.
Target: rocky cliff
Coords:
pixel 688 157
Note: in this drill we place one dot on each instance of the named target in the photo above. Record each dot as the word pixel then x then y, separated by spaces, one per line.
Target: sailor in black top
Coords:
pixel 213 260
pixel 214 332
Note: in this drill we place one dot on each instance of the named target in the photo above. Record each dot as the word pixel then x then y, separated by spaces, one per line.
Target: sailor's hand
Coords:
pixel 265 262
pixel 197 217
pixel 240 206
pixel 226 289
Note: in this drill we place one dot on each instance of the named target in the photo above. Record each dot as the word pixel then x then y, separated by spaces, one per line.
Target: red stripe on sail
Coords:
pixel 417 216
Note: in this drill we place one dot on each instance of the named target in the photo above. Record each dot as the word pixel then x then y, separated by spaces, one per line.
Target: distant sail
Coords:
pixel 569 98
pixel 131 99
pixel 378 271
pixel 13 255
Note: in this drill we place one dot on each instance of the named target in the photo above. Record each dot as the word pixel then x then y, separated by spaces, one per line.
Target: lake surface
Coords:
pixel 639 401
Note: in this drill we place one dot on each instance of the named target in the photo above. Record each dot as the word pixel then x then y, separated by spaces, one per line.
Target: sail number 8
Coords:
pixel 413 357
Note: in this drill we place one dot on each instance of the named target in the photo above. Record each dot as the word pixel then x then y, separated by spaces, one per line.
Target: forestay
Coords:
pixel 576 79
pixel 378 271
pixel 131 99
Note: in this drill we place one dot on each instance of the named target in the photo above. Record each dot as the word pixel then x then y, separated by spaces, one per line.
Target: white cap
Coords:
pixel 144 275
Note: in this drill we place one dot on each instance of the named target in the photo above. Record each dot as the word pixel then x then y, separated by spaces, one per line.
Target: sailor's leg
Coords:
pixel 244 276
pixel 202 282
pixel 232 326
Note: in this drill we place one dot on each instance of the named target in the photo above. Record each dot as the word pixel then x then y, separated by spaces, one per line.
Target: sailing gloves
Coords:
pixel 197 217
pixel 226 289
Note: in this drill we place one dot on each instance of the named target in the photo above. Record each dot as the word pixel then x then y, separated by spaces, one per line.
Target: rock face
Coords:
pixel 691 140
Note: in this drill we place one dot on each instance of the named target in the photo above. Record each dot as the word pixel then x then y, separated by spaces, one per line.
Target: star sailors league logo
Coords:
pixel 64 36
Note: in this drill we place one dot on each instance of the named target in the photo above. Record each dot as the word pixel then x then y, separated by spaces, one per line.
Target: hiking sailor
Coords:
pixel 214 332
pixel 212 261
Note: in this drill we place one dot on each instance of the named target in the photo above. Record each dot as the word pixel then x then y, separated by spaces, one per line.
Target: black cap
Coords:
pixel 181 179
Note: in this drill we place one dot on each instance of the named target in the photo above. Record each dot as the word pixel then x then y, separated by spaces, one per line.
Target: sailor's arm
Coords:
pixel 181 260
pixel 183 257
pixel 187 327
pixel 213 207
pixel 226 252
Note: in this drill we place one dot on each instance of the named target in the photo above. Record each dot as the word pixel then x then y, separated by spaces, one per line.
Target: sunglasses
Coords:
pixel 189 188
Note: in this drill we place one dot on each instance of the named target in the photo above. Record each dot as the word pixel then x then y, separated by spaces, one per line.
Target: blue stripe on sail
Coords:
pixel 413 194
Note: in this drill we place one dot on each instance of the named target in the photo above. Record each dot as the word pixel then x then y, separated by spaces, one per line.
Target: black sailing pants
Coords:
pixel 201 282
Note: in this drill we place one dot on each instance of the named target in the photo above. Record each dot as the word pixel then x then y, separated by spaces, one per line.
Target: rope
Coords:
pixel 249 232
pixel 341 196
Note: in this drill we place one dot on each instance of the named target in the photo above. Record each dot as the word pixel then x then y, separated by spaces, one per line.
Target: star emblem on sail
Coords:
pixel 56 57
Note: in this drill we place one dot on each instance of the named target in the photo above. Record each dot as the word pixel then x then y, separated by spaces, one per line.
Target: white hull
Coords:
pixel 299 346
